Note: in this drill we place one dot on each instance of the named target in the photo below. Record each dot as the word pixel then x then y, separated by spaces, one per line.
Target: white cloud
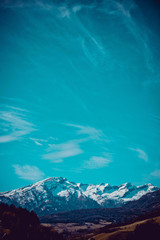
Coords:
pixel 16 125
pixel 38 141
pixel 156 173
pixel 8 138
pixel 97 162
pixel 125 9
pixel 76 8
pixel 17 109
pixel 43 5
pixel 141 153
pixel 64 150
pixel 53 138
pixel 93 133
pixel 64 12
pixel 28 172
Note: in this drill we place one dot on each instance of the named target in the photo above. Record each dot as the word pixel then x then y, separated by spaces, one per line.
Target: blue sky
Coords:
pixel 79 95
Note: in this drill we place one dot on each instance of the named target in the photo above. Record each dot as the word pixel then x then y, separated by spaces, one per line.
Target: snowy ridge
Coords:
pixel 58 194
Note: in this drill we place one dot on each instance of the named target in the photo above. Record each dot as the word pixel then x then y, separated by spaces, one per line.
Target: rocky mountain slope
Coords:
pixel 57 194
pixel 147 206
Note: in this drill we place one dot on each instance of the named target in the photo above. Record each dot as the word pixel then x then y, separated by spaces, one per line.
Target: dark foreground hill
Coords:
pixel 20 224
pixel 148 229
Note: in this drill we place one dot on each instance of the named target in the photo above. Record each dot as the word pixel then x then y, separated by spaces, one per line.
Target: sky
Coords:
pixel 79 91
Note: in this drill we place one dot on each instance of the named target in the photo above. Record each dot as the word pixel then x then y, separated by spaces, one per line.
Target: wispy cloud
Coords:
pixel 141 154
pixel 93 133
pixel 28 172
pixel 38 141
pixel 156 173
pixel 17 108
pixel 123 11
pixel 97 162
pixel 15 124
pixel 58 152
pixel 64 12
pixel 44 5
pixel 77 8
pixel 125 8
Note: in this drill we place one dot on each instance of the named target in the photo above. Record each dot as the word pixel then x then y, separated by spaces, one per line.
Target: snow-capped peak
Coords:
pixel 59 194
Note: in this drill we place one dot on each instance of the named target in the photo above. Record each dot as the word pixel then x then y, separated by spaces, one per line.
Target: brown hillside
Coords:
pixel 122 232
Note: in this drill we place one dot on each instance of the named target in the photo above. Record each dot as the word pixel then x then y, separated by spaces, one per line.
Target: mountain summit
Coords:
pixel 57 194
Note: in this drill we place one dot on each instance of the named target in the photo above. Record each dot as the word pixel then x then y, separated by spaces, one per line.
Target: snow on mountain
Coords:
pixel 58 194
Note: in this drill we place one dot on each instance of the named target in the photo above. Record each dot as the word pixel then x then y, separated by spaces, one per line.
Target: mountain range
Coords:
pixel 57 194
pixel 147 206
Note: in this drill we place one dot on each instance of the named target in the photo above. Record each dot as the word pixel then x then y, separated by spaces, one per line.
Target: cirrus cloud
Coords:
pixel 57 152
pixel 93 133
pixel 97 162
pixel 28 172
pixel 16 124
pixel 156 173
pixel 141 154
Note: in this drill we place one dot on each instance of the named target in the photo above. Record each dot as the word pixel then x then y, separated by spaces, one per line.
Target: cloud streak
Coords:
pixel 93 133
pixel 58 152
pixel 97 162
pixel 15 124
pixel 141 154
pixel 28 172
pixel 156 173
pixel 38 141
